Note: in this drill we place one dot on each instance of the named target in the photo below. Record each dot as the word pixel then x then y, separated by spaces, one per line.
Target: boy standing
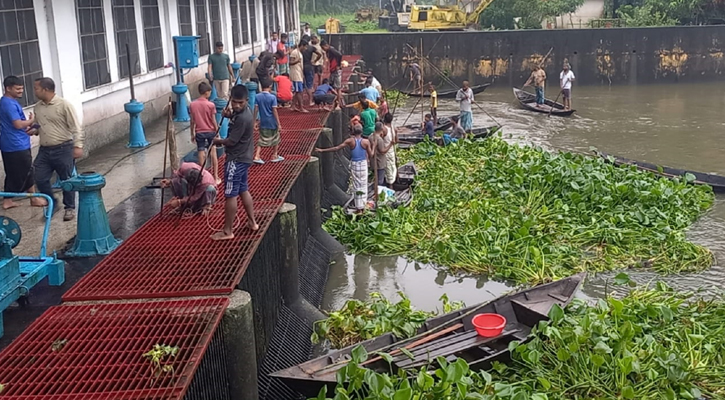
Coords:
pixel 381 150
pixel 368 116
pixel 220 71
pixel 204 128
pixel 433 102
pixel 239 147
pixel 265 109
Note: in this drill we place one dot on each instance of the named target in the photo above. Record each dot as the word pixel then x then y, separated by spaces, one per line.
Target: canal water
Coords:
pixel 674 125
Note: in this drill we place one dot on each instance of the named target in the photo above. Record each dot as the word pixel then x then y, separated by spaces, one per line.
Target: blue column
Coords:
pixel 93 236
pixel 235 68
pixel 136 136
pixel 182 109
pixel 252 88
pixel 214 94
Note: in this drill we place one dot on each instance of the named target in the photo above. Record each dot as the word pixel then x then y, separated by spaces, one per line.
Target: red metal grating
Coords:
pixel 78 352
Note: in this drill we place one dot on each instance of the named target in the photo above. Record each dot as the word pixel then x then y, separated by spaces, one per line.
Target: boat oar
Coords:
pixel 555 101
pixel 416 343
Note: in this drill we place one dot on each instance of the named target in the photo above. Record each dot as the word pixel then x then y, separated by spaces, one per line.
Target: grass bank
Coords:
pixel 348 20
pixel 527 215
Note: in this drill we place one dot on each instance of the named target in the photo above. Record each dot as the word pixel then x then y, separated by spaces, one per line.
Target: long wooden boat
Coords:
pixel 443 124
pixel 528 101
pixel 406 140
pixel 450 93
pixel 450 336
pixel 717 182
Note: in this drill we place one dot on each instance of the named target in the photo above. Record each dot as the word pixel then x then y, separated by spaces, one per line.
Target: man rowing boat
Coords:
pixel 538 78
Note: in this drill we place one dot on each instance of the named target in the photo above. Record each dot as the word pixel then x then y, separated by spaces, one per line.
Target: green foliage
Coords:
pixel 161 357
pixel 670 12
pixel 652 344
pixel 357 321
pixel 346 19
pixel 501 14
pixel 395 98
pixel 524 214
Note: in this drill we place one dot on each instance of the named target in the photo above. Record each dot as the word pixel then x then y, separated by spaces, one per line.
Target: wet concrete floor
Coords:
pixel 673 125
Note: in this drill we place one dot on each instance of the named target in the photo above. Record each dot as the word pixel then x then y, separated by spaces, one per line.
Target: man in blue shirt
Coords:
pixel 324 95
pixel 265 108
pixel 429 127
pixel 370 92
pixel 15 131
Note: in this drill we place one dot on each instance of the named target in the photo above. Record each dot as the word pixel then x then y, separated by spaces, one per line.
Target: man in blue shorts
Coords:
pixel 310 56
pixel 239 146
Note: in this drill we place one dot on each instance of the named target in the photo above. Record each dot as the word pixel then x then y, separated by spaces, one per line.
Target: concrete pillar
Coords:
pixel 311 175
pixel 238 328
pixel 290 277
pixel 328 168
pixel 336 124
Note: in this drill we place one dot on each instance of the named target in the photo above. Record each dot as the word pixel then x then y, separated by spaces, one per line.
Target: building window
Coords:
pixel 152 34
pixel 239 22
pixel 19 50
pixel 92 32
pixel 186 27
pixel 267 12
pixel 202 28
pixel 275 15
pixel 253 19
pixel 234 7
pixel 124 21
pixel 215 12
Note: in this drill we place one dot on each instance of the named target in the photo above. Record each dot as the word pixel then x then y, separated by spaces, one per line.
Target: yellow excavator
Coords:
pixel 445 17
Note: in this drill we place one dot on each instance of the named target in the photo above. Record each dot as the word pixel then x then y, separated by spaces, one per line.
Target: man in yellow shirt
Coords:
pixel 61 142
pixel 358 104
pixel 433 102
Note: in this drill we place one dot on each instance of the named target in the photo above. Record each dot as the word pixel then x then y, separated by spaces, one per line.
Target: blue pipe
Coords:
pixel 48 212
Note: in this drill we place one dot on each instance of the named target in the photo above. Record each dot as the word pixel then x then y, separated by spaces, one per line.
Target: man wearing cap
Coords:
pixel 220 71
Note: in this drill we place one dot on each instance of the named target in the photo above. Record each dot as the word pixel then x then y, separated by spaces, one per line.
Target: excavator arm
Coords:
pixel 472 18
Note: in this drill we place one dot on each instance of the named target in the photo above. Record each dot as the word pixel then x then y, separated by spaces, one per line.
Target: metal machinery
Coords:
pixel 19 274
pixel 445 17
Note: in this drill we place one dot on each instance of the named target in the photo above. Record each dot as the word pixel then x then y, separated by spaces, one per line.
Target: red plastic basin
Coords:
pixel 489 325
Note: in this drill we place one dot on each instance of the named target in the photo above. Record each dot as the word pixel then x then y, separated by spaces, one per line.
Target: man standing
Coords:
pixel 320 61
pixel 298 77
pixel 464 97
pixel 272 43
pixel 307 31
pixel 335 59
pixel 566 77
pixel 368 116
pixel 220 71
pixel 309 56
pixel 433 102
pixel 538 78
pixel 282 62
pixel 370 92
pixel 416 77
pixel 15 131
pixel 239 147
pixel 61 142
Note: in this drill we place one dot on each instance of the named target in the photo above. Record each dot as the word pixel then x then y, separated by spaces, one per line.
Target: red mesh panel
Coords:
pixel 78 352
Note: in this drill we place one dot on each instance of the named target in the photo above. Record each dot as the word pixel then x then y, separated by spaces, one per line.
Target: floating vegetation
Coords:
pixel 395 98
pixel 654 343
pixel 357 321
pixel 531 216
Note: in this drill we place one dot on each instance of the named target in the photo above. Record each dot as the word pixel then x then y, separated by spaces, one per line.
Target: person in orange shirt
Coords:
pixel 282 63
pixel 284 89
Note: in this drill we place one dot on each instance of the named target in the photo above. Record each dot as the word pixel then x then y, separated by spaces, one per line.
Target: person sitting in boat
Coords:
pixel 362 149
pixel 201 197
pixel 429 127
pixel 538 78
pixel 358 105
pixel 455 134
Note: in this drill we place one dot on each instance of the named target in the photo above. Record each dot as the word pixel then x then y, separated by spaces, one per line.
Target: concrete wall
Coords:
pixel 598 56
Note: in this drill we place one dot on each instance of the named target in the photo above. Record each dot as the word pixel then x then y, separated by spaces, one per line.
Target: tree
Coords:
pixel 501 13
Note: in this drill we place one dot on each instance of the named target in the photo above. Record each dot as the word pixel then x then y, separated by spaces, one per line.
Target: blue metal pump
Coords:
pixel 93 235
pixel 19 274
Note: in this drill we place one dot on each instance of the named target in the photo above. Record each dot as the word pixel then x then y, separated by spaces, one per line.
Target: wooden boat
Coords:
pixel 717 182
pixel 443 124
pixel 402 188
pixel 408 141
pixel 528 101
pixel 450 336
pixel 450 93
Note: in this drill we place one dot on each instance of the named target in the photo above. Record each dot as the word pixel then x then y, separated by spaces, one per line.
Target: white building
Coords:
pixel 81 45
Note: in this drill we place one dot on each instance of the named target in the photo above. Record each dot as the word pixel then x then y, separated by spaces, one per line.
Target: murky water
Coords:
pixel 673 125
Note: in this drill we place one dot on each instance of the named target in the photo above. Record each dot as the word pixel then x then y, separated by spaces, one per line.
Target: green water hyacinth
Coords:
pixel 531 216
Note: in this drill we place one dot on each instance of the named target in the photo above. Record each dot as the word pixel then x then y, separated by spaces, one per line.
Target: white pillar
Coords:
pixel 69 77
pixel 138 14
pixel 226 20
pixel 111 46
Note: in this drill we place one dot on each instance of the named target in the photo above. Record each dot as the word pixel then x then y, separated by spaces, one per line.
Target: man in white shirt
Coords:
pixel 566 77
pixel 464 97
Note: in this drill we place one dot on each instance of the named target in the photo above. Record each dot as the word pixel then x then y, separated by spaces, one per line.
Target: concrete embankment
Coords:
pixel 598 56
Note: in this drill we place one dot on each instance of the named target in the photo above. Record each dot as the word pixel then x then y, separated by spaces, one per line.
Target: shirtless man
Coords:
pixel 538 78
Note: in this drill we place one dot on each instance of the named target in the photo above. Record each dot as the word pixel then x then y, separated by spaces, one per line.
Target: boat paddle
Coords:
pixel 555 101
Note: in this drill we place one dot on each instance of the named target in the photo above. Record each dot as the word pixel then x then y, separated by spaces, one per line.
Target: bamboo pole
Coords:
pixel 166 151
